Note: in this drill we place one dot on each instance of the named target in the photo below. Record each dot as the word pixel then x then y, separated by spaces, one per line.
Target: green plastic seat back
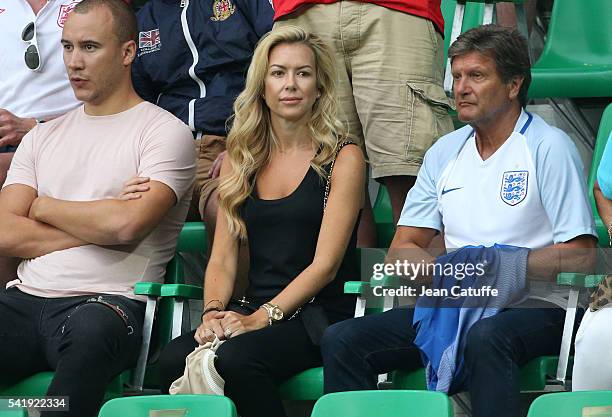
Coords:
pixel 169 406
pixel 605 127
pixel 192 239
pixel 572 404
pixel 580 32
pixel 383 403
pixel 383 218
pixel 473 16
pixel 576 60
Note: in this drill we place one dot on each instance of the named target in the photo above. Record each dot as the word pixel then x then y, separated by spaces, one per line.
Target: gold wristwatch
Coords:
pixel 275 314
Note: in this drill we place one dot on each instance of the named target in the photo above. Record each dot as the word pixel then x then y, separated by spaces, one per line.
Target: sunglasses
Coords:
pixel 32 55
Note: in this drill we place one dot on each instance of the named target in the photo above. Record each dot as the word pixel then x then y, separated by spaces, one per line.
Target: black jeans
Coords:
pixel 86 340
pixel 252 364
pixel 357 350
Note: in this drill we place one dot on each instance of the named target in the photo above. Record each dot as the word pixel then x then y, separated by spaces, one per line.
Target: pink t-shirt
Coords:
pixel 78 157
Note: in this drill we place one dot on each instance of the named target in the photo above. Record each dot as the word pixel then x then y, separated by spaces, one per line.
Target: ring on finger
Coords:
pixel 228 332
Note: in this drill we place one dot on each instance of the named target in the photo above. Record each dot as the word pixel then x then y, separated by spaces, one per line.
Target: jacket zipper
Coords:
pixel 195 55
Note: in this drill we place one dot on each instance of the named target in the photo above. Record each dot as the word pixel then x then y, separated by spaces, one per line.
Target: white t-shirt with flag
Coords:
pixel 28 93
pixel 530 193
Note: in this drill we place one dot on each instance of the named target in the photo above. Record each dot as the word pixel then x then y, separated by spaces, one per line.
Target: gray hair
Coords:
pixel 506 46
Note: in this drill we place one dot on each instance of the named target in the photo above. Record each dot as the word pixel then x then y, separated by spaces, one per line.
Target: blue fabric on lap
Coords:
pixel 442 322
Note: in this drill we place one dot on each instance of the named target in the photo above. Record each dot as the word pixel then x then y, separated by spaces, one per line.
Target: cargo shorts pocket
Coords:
pixel 429 118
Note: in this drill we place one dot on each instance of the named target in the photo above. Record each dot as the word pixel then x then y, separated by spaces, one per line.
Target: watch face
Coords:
pixel 277 314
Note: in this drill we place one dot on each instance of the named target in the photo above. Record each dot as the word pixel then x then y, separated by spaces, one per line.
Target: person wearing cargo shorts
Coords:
pixel 391 70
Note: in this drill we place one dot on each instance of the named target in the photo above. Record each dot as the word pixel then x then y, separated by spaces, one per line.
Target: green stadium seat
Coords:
pixel 387 403
pixel 36 386
pixel 13 413
pixel 305 386
pixel 191 239
pixel 170 406
pixel 573 404
pixel 383 218
pixel 577 56
pixel 8 409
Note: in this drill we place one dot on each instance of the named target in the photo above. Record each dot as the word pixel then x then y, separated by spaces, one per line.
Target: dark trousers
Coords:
pixel 86 340
pixel 357 350
pixel 252 364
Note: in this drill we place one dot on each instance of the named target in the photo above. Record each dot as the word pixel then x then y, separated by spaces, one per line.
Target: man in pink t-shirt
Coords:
pixel 72 308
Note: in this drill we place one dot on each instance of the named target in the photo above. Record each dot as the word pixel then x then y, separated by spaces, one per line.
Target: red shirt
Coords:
pixel 429 9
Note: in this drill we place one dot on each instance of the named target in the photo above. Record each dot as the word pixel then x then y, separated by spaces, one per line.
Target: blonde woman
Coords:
pixel 284 138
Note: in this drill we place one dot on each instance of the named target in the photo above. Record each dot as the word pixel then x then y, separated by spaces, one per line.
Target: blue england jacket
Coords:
pixel 193 56
pixel 443 322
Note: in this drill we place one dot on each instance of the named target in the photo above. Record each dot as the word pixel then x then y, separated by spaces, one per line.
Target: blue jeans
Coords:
pixel 355 351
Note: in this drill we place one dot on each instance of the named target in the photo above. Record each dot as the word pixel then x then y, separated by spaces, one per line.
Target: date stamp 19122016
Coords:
pixel 55 403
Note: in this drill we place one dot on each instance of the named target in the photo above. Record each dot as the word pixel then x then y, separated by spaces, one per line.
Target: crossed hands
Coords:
pixel 227 324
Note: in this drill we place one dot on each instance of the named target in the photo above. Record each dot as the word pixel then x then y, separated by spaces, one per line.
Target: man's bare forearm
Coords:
pixel 100 222
pixel 26 238
pixel 578 255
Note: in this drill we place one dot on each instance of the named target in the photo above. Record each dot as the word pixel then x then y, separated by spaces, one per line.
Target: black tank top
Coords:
pixel 283 236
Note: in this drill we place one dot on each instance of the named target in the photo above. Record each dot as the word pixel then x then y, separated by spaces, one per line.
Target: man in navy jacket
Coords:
pixel 192 60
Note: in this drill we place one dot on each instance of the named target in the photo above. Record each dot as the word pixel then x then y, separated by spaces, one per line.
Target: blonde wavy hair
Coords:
pixel 250 142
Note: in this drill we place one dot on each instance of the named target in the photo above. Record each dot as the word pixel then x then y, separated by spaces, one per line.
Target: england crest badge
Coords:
pixel 222 9
pixel 64 11
pixel 514 187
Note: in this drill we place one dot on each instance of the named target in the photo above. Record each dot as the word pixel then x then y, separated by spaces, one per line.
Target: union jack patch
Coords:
pixel 149 41
pixel 222 9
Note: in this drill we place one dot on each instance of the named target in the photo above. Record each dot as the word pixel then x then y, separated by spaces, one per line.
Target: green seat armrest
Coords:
pixel 182 290
pixel 572 279
pixel 592 281
pixel 148 288
pixel 388 281
pixel 355 287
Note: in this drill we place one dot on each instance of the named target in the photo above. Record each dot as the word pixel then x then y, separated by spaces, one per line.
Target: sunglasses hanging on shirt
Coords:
pixel 32 55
